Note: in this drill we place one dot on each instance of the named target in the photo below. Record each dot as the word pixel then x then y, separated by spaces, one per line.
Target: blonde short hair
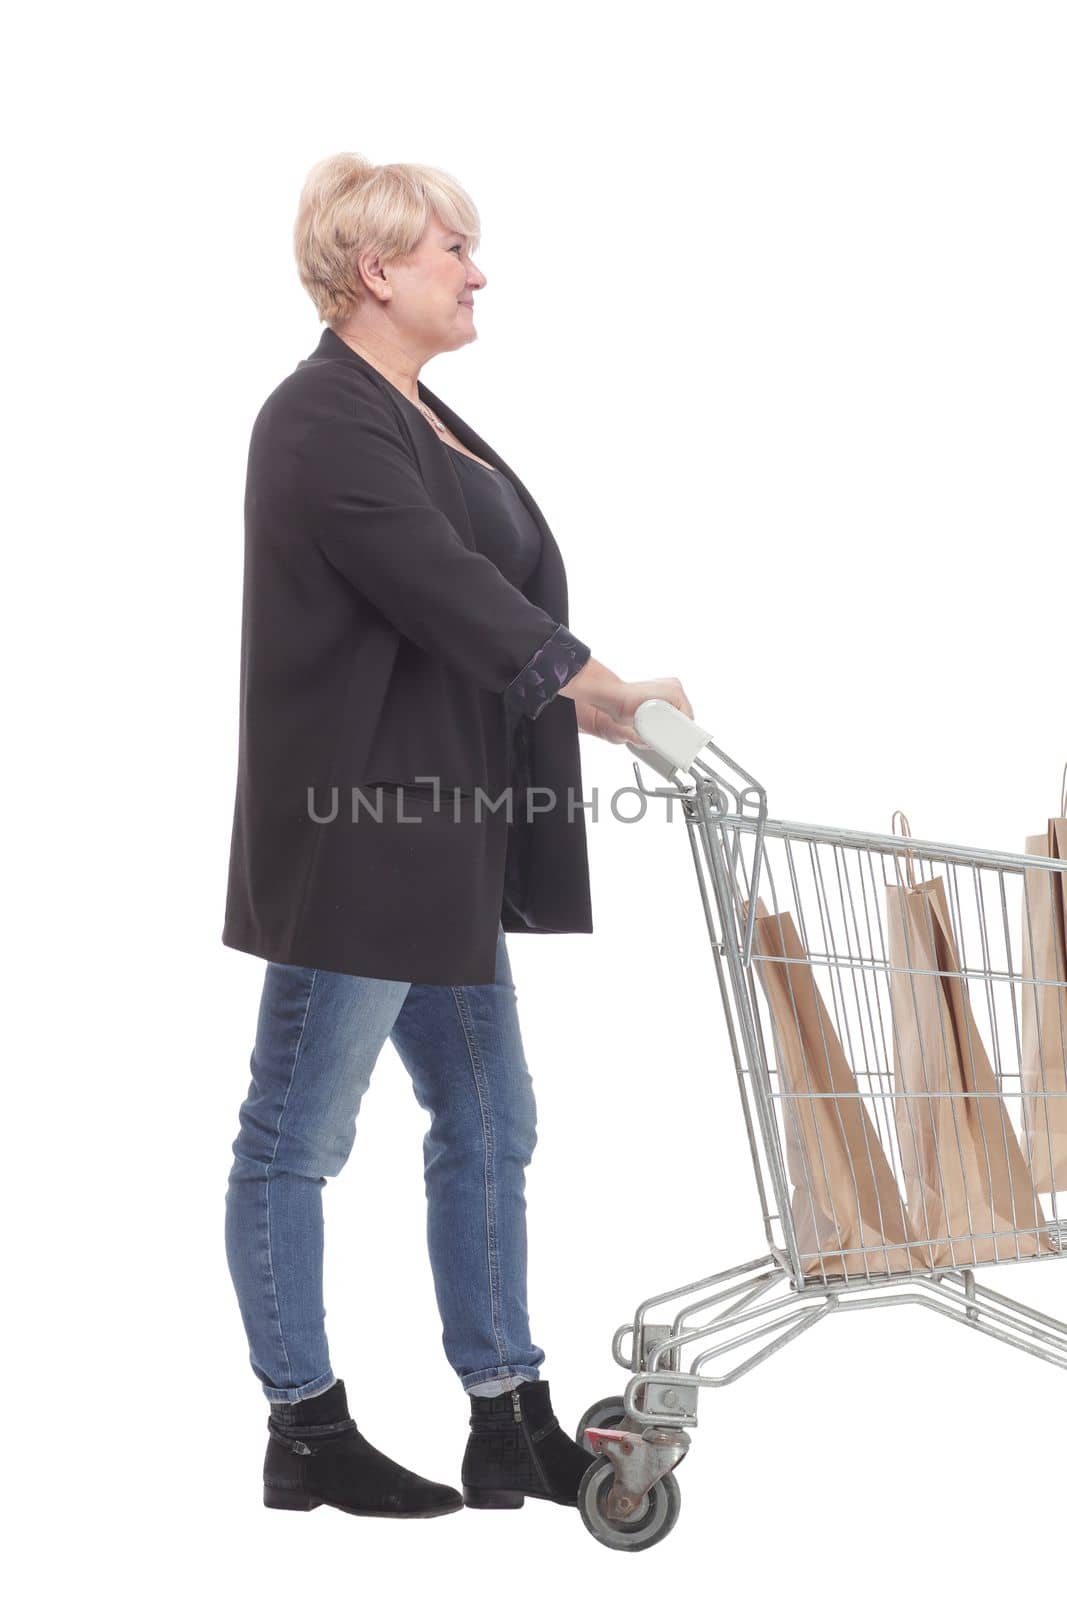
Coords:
pixel 348 205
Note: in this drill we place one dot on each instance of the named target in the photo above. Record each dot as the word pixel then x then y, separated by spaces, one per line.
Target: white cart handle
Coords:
pixel 674 740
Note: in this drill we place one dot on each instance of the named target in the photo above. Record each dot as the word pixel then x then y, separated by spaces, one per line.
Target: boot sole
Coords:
pixel 298 1500
pixel 493 1499
pixel 508 1499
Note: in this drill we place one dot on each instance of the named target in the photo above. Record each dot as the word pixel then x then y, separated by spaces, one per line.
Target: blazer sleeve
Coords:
pixel 369 513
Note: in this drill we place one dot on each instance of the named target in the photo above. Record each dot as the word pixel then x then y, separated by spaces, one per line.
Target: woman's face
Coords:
pixel 432 302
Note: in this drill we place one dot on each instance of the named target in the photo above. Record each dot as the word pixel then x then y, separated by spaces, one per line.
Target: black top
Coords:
pixel 503 528
pixel 505 532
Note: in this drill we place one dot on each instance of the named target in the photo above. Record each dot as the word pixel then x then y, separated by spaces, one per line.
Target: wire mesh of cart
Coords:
pixel 880 995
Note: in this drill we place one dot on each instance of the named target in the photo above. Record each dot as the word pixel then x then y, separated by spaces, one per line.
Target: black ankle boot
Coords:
pixel 517 1447
pixel 316 1456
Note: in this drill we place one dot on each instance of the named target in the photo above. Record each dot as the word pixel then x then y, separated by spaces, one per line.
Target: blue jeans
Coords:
pixel 317 1038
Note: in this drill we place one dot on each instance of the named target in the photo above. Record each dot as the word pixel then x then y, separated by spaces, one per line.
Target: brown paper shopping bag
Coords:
pixel 964 1168
pixel 847 1210
pixel 1044 1024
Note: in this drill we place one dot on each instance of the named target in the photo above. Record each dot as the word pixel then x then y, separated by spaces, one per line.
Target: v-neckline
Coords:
pixel 483 464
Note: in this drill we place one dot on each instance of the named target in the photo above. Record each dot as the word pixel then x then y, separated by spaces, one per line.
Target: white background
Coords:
pixel 775 333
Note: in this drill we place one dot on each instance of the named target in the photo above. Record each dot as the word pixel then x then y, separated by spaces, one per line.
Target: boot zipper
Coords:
pixel 521 1422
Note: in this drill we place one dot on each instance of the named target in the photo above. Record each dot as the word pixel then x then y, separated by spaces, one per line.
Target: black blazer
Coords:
pixel 378 646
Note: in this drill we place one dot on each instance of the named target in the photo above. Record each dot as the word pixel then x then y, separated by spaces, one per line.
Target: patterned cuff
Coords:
pixel 548 669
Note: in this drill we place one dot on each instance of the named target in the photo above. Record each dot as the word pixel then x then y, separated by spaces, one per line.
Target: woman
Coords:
pixel 408 790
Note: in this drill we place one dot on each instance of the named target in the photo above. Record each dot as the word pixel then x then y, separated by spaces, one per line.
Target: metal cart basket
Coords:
pixel 882 1094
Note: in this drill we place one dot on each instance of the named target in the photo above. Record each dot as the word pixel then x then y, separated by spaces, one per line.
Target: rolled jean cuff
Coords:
pixel 548 669
pixel 303 1391
pixel 504 1375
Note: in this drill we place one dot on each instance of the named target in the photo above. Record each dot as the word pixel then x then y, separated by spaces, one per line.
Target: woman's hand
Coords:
pixel 592 720
pixel 605 704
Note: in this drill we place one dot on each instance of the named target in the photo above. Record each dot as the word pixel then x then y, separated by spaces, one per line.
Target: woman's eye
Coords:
pixel 456 247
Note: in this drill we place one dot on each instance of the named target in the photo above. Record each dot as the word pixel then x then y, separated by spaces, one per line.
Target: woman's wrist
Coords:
pixel 593 685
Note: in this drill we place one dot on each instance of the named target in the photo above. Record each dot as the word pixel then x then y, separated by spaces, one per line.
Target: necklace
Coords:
pixel 428 414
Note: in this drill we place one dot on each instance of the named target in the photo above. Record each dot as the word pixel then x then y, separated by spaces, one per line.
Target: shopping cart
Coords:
pixel 833 887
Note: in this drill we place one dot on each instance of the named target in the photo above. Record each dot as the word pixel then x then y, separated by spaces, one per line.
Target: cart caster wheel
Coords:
pixel 604 1414
pixel 664 1504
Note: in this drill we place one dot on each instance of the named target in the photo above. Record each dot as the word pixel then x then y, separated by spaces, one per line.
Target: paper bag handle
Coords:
pixel 906 832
